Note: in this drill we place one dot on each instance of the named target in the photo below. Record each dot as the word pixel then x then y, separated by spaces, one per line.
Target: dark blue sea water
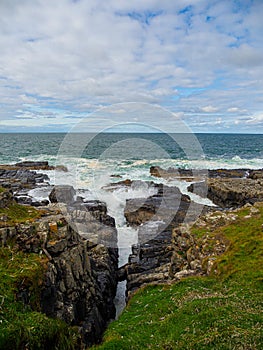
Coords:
pixel 217 149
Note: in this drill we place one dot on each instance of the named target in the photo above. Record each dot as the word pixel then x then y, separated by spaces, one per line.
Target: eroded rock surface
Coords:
pixel 80 275
pixel 195 173
pixel 164 205
pixel 20 178
pixel 62 194
pixel 227 188
pixel 230 192
pixel 157 216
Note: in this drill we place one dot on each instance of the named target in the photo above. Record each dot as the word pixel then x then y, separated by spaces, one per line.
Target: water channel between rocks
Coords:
pixel 115 198
pixel 127 236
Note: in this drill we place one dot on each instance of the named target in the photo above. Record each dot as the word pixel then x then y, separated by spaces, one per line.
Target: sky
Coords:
pixel 61 61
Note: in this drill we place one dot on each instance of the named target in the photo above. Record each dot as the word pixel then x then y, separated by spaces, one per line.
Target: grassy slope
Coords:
pixel 16 213
pixel 222 311
pixel 20 326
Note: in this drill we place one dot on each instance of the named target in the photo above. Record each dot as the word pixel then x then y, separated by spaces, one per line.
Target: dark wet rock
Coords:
pixel 61 168
pixel 95 206
pixel 32 164
pixel 157 216
pixel 195 174
pixel 148 262
pixel 159 172
pixel 116 176
pixel 80 286
pixel 20 178
pixel 42 203
pixel 182 174
pixel 39 165
pixel 256 174
pixel 127 183
pixel 62 194
pixel 122 273
pixel 6 197
pixel 26 200
pixel 154 171
pixel 167 204
pixel 23 200
pixel 97 227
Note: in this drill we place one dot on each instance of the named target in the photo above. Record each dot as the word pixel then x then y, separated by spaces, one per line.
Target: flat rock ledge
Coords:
pixel 230 192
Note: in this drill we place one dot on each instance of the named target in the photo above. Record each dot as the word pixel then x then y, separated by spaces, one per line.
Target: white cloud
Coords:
pixel 237 111
pixel 256 119
pixel 233 110
pixel 82 55
pixel 209 109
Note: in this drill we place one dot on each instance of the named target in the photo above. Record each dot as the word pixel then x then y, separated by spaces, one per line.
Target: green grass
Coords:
pixel 22 326
pixel 222 311
pixel 17 213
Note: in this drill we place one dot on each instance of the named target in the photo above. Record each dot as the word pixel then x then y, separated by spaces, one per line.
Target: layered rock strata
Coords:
pixel 230 192
pixel 80 275
pixel 157 216
pixel 227 188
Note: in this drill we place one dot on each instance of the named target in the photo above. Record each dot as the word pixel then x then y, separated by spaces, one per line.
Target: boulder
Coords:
pixel 23 200
pixel 256 174
pixel 168 204
pixel 42 203
pixel 95 206
pixel 63 194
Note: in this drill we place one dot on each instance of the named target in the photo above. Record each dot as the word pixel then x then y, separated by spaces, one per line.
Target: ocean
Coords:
pixel 95 161
pixel 219 150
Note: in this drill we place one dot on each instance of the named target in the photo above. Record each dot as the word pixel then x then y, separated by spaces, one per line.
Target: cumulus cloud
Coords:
pixel 256 119
pixel 236 110
pixel 209 109
pixel 71 57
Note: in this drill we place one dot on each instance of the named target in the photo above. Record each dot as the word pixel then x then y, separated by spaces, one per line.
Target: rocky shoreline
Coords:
pixel 80 243
pixel 171 253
